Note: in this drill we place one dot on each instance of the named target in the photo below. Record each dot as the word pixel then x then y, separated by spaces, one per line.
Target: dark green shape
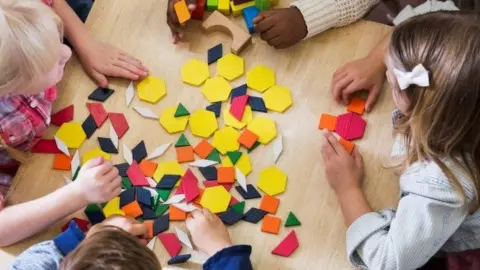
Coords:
pixel 214 156
pixel 160 209
pixel 239 207
pixel 292 220
pixel 139 219
pixel 103 204
pixel 182 141
pixel 181 111
pixel 255 145
pixel 164 193
pixel 234 156
pixel 93 208
pixel 76 174
pixel 155 201
pixel 126 183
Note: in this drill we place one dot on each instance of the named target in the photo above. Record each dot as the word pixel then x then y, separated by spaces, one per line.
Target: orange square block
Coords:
pixel 247 138
pixel 357 105
pixel 203 149
pixel 183 14
pixel 132 209
pixel 148 167
pixel 185 154
pixel 347 144
pixel 149 225
pixel 271 224
pixel 269 204
pixel 61 162
pixel 176 214
pixel 226 175
pixel 327 121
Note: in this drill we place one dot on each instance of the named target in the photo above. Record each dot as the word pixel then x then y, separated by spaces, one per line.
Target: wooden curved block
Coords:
pixel 218 22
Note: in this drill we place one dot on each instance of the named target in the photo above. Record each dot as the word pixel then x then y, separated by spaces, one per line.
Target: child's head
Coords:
pixel 108 247
pixel 32 55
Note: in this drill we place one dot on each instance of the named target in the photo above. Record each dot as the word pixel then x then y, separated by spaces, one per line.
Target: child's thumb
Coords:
pixel 357 157
pixel 94 162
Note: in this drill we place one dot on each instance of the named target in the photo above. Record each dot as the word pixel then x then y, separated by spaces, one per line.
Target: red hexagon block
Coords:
pixel 350 126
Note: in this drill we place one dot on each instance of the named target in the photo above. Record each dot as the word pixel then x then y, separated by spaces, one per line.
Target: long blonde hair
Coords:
pixel 443 120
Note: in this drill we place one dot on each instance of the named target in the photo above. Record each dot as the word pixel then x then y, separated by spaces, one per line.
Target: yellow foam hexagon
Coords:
pixel 260 78
pixel 278 98
pixel 229 120
pixel 171 123
pixel 216 199
pixel 216 89
pixel 151 89
pixel 230 66
pixel 264 127
pixel 97 152
pixel 226 139
pixel 272 181
pixel 244 164
pixel 71 134
pixel 203 123
pixel 195 72
pixel 113 208
pixel 226 162
pixel 168 167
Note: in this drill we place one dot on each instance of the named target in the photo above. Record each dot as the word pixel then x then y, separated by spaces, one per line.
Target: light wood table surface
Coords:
pixel 139 28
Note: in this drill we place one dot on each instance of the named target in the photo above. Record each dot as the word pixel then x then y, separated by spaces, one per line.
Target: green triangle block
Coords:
pixel 239 207
pixel 160 209
pixel 92 208
pixel 126 182
pixel 182 141
pixel 181 111
pixel 255 145
pixel 234 156
pixel 214 156
pixel 164 193
pixel 154 200
pixel 292 220
pixel 103 204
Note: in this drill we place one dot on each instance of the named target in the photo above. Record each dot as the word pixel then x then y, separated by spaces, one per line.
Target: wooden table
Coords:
pixel 139 28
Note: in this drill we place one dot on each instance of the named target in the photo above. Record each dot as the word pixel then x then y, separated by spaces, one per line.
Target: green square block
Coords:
pixel 212 5
pixel 262 4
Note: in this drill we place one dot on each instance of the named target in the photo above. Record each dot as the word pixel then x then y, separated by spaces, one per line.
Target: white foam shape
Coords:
pixel 160 150
pixel 277 148
pixel 241 179
pixel 75 163
pixel 145 112
pixel 127 154
pixel 203 163
pixel 67 180
pixel 152 182
pixel 175 199
pixel 183 237
pixel 151 244
pixel 61 146
pixel 113 136
pixel 198 257
pixel 129 94
pixel 185 207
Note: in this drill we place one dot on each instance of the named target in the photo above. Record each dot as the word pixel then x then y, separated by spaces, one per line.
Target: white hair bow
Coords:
pixel 418 76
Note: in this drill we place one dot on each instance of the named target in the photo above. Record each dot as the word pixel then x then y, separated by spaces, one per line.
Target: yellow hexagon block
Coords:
pixel 171 123
pixel 97 152
pixel 278 98
pixel 230 66
pixel 260 78
pixel 226 139
pixel 151 89
pixel 216 199
pixel 71 134
pixel 244 164
pixel 216 89
pixel 168 167
pixel 113 208
pixel 272 181
pixel 226 162
pixel 264 127
pixel 195 72
pixel 229 120
pixel 203 123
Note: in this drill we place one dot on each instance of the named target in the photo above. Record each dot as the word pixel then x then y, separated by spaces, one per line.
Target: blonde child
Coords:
pixel 32 59
pixel 433 65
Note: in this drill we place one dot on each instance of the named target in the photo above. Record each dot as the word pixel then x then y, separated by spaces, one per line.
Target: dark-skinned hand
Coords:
pixel 172 20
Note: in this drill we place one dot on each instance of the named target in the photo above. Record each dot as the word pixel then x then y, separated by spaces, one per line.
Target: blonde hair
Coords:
pixel 443 120
pixel 30 35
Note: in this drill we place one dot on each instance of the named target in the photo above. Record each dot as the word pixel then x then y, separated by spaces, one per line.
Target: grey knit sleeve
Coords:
pixel 42 256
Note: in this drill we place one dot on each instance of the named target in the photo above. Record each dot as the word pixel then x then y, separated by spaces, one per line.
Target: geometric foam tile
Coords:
pixel 356 105
pixel 269 204
pixel 107 145
pixel 226 139
pixel 247 138
pixel 350 126
pixel 171 123
pixel 98 112
pixel 251 192
pixel 61 162
pixel 230 66
pixel 179 259
pixel 203 123
pixel 254 215
pixel 71 134
pixel 230 217
pixel 151 89
pixel 292 220
pixel 271 224
pixel 195 72
pixel 272 181
pixel 160 224
pixel 215 108
pixel 181 111
pixel 257 104
pixel 168 167
pixel 101 94
pixel 216 89
pixel 238 91
pixel 278 98
pixel 287 246
pixel 237 107
pixel 113 208
pixel 347 144
pixel 62 116
pixel 203 148
pixel 230 120
pixel 244 164
pixel 119 123
pixel 215 53
pixel 97 152
pixel 264 128
pixel 260 78
pixel 216 199
pixel 139 152
pixel 89 126
pixel 327 121
pixel 210 173
pixel 171 243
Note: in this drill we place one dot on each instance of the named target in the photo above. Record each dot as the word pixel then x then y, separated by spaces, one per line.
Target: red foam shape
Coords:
pixel 350 126
pixel 171 243
pixel 136 175
pixel 98 113
pixel 215 183
pixel 46 147
pixel 82 224
pixel 179 189
pixel 62 116
pixel 238 106
pixel 190 186
pixel 119 123
pixel 233 201
pixel 287 246
pixel 199 11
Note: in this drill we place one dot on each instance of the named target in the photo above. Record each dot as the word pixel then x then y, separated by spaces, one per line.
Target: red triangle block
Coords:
pixel 233 201
pixel 287 246
pixel 82 224
pixel 238 106
pixel 215 183
pixel 62 116
pixel 136 176
pixel 119 123
pixel 171 243
pixel 180 189
pixel 190 186
pixel 46 147
pixel 98 113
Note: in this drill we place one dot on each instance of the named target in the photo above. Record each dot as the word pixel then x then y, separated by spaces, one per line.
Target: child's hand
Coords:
pixel 363 74
pixel 127 224
pixel 98 181
pixel 101 59
pixel 281 28
pixel 172 20
pixel 344 172
pixel 208 232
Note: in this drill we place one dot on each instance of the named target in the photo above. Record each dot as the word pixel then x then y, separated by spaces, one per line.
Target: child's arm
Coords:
pixel 172 20
pixel 97 182
pixel 98 59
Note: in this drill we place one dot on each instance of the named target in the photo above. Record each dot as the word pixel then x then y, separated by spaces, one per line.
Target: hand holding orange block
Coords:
pixel 183 14
pixel 328 122
pixel 347 144
pixel 357 105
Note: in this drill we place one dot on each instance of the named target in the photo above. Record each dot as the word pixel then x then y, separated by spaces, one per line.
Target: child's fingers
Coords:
pixel 350 89
pixel 275 42
pixel 339 86
pixel 131 67
pixel 133 61
pixel 265 25
pixel 118 71
pixel 337 147
pixel 372 97
pixel 99 78
pixel 139 229
pixel 92 163
pixel 357 157
pixel 258 19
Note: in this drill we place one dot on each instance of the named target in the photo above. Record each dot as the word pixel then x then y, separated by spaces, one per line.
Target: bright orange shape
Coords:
pixel 225 175
pixel 327 121
pixel 271 224
pixel 132 209
pixel 148 167
pixel 176 214
pixel 269 204
pixel 357 105
pixel 199 197
pixel 61 162
pixel 347 144
pixel 183 14
pixel 185 154
pixel 203 149
pixel 248 138
pixel 149 225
